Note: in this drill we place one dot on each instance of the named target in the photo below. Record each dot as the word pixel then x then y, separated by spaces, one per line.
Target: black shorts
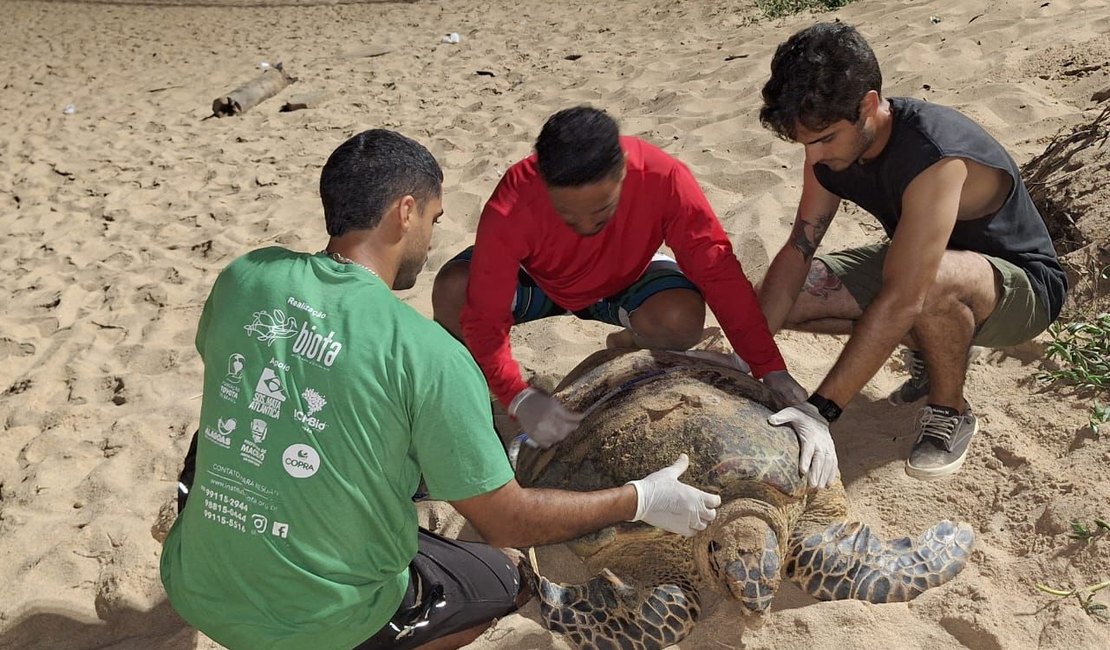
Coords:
pixel 453 586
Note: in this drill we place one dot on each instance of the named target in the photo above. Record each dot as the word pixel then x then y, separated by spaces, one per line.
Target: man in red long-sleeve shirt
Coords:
pixel 576 228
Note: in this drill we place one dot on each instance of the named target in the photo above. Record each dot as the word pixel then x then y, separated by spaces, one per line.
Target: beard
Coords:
pixel 863 140
pixel 409 270
pixel 865 137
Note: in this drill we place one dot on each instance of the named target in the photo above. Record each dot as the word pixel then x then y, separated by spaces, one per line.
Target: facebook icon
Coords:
pixel 280 529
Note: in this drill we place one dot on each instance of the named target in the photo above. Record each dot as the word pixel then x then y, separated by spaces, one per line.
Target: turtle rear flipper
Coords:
pixel 847 560
pixel 607 613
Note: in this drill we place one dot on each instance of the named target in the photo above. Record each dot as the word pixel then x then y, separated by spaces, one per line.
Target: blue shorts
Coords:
pixel 531 303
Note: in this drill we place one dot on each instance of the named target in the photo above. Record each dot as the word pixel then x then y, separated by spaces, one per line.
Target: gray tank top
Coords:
pixel 922 134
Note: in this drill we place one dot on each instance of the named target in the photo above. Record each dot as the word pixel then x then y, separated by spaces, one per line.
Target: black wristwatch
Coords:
pixel 828 409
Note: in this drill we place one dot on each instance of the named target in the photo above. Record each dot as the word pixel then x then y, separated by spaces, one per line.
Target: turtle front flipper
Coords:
pixel 847 560
pixel 605 612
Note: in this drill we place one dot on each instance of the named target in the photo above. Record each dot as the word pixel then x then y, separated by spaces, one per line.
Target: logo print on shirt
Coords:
pixel 269 384
pixel 221 435
pixel 268 394
pixel 259 522
pixel 229 387
pixel 251 450
pixel 314 401
pixel 300 461
pixel 270 326
pixel 315 347
pixel 280 529
pixel 234 368
pixel 258 430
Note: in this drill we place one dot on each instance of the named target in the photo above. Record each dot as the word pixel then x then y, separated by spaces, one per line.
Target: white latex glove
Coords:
pixel 727 359
pixel 818 456
pixel 542 417
pixel 787 391
pixel 665 502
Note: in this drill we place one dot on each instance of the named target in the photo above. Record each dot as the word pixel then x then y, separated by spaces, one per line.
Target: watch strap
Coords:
pixel 827 408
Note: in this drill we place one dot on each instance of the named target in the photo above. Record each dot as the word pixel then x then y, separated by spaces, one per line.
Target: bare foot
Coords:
pixel 621 339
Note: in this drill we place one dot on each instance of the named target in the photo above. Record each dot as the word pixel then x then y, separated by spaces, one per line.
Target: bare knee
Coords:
pixel 449 295
pixel 671 322
pixel 966 283
pixel 941 299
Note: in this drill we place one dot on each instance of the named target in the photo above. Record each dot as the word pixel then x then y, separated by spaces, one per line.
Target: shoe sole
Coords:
pixel 926 474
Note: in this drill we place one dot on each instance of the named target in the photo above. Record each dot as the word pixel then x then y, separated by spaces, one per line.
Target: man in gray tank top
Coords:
pixel 968 261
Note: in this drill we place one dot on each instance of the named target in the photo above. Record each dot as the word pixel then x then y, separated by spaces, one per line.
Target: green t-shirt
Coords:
pixel 325 400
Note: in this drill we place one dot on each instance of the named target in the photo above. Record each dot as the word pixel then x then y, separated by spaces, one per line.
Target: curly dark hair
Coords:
pixel 818 77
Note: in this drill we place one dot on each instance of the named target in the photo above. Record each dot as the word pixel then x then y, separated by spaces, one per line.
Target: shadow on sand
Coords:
pixel 873 433
pixel 46 625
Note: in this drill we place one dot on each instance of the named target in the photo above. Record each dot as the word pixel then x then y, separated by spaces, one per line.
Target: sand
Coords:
pixel 117 217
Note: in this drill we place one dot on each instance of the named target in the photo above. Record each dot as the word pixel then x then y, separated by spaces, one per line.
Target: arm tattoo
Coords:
pixel 820 283
pixel 807 236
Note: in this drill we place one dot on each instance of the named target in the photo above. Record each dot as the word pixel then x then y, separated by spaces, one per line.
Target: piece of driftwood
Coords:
pixel 252 93
pixel 305 100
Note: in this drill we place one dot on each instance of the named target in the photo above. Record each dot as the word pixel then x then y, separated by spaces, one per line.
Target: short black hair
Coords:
pixel 578 146
pixel 368 172
pixel 819 76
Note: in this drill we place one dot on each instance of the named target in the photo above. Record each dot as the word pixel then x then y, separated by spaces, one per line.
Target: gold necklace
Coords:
pixel 342 259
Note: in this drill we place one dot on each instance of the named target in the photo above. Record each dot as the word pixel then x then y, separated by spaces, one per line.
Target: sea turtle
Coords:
pixel 643 409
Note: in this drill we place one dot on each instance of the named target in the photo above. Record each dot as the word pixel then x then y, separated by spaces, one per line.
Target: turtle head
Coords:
pixel 742 558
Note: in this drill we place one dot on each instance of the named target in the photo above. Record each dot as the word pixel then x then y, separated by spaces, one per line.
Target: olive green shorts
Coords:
pixel 1018 317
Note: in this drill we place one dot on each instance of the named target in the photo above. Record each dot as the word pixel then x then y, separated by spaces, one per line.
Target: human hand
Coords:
pixel 542 417
pixel 665 502
pixel 786 390
pixel 818 454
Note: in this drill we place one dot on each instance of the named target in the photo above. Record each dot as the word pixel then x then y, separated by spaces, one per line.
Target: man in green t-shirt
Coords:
pixel 326 400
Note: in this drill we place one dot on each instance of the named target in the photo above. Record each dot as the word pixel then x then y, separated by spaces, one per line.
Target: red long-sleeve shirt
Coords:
pixel 660 202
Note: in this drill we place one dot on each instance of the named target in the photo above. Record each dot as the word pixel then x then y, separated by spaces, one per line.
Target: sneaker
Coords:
pixel 917 386
pixel 943 436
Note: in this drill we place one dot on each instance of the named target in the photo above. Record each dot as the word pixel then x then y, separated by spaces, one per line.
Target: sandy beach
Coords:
pixel 118 214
